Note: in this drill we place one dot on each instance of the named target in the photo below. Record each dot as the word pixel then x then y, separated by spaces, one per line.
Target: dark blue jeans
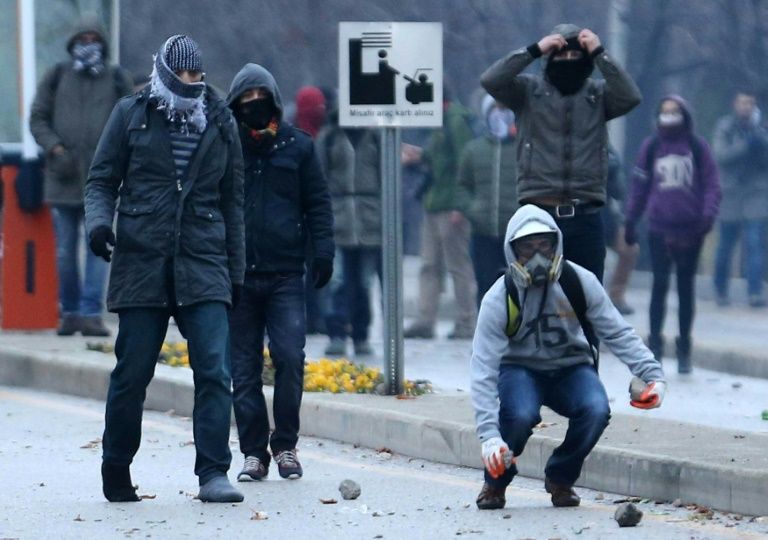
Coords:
pixel 351 293
pixel 584 241
pixel 139 339
pixel 84 298
pixel 575 393
pixel 274 302
pixel 730 231
pixel 488 260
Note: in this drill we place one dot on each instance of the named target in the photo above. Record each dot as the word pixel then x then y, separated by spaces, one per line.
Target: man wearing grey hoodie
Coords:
pixel 539 354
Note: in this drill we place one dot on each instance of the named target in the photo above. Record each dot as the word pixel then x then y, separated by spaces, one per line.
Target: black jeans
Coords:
pixel 488 261
pixel 274 302
pixel 584 241
pixel 686 261
pixel 139 339
pixel 350 311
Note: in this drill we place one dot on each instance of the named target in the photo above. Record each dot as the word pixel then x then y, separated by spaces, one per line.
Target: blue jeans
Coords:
pixel 575 393
pixel 351 303
pixel 488 260
pixel 274 302
pixel 86 300
pixel 730 231
pixel 139 339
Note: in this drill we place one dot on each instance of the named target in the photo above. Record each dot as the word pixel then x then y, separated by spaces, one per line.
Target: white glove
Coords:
pixel 647 396
pixel 497 456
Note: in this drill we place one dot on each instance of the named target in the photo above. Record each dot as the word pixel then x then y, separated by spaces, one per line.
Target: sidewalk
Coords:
pixel 640 455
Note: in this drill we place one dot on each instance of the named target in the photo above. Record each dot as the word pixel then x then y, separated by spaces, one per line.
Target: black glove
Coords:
pixel 630 235
pixel 237 293
pixel 100 237
pixel 322 270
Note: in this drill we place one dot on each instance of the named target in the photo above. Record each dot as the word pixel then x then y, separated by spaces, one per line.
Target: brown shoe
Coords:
pixel 561 495
pixel 491 498
pixel 93 326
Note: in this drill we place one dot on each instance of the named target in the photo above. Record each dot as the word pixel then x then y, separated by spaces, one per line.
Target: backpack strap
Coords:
pixel 574 291
pixel 513 305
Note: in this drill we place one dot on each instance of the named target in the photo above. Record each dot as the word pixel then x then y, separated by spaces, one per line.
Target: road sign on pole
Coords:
pixel 391 76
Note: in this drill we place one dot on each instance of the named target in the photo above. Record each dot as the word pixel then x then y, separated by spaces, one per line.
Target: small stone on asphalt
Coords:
pixel 628 515
pixel 349 489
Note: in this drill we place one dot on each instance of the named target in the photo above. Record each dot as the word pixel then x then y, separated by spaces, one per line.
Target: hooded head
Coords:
pixel 673 116
pixel 568 68
pixel 253 77
pixel 88 46
pixel 529 232
pixel 310 109
pixel 183 102
pixel 499 121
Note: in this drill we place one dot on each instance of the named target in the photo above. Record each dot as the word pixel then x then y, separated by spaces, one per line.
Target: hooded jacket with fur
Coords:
pixel 550 336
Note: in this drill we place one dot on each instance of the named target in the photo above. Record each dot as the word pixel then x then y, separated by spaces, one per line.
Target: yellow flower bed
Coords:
pixel 323 375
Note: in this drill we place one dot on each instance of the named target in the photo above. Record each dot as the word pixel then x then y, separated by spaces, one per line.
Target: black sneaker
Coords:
pixel 288 464
pixel 69 325
pixel 562 495
pixel 116 483
pixel 491 498
pixel 253 470
pixel 419 331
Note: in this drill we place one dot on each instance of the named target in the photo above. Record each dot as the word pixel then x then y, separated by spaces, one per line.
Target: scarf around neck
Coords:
pixel 182 103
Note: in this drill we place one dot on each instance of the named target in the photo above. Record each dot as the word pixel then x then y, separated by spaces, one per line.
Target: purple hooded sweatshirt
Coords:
pixel 682 193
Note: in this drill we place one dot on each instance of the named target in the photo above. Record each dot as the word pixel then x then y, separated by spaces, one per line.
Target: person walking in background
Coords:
pixel 488 191
pixel 286 206
pixel 562 141
pixel 351 161
pixel 613 219
pixel 71 106
pixel 676 180
pixel 445 234
pixel 310 117
pixel 171 153
pixel 741 149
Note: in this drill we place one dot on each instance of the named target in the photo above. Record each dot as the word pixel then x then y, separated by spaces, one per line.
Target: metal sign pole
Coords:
pixel 392 255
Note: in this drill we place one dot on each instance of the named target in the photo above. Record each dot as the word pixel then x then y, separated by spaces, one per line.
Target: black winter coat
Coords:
pixel 194 234
pixel 286 203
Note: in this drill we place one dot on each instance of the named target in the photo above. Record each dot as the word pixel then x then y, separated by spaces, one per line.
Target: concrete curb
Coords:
pixel 656 477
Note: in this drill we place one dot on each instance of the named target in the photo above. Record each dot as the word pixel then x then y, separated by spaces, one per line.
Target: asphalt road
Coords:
pixel 49 471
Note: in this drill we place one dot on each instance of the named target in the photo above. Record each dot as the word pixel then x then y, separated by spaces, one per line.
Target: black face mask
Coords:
pixel 568 76
pixel 256 114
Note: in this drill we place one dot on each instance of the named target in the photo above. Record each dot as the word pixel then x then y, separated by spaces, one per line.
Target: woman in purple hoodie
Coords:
pixel 676 180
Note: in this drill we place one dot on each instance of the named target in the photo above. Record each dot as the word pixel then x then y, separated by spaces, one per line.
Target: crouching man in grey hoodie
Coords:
pixel 538 354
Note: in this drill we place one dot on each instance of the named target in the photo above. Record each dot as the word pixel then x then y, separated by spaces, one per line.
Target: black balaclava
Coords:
pixel 568 76
pixel 257 113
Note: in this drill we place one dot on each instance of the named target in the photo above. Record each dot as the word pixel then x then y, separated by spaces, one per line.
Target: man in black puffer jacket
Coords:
pixel 286 203
pixel 172 155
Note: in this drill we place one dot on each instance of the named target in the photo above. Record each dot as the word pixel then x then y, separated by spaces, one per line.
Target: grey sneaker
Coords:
pixel 757 301
pixel 288 464
pixel 337 347
pixel 69 325
pixel 419 331
pixel 93 326
pixel 219 490
pixel 253 470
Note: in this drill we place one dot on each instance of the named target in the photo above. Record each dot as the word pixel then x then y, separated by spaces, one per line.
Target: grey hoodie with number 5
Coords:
pixel 549 336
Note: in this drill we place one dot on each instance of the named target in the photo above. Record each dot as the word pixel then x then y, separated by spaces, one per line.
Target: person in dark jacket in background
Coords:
pixel 562 142
pixel 286 203
pixel 488 188
pixel 351 161
pixel 71 106
pixel 676 179
pixel 311 115
pixel 171 153
pixel 740 144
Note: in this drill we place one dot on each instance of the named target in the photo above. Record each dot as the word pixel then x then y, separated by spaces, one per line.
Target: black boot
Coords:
pixel 683 345
pixel 117 485
pixel 656 344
